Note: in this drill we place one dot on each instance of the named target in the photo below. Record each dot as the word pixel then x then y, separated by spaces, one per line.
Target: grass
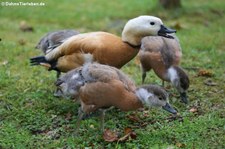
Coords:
pixel 30 117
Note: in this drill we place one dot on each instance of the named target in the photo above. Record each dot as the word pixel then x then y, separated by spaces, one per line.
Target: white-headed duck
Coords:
pixel 103 47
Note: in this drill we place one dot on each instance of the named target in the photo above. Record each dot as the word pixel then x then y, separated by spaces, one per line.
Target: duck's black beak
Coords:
pixel 184 97
pixel 169 108
pixel 164 31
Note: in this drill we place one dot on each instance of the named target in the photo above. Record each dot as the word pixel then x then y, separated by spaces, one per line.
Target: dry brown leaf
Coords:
pixel 205 73
pixel 177 26
pixel 180 145
pixel 110 136
pixel 127 130
pixel 21 42
pixel 129 134
pixel 133 118
pixel 25 27
pixel 193 110
pixel 68 116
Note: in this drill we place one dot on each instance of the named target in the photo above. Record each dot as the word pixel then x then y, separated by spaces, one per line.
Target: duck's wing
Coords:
pixel 81 43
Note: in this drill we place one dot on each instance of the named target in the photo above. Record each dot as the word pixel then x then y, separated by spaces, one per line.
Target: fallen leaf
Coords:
pixel 180 145
pixel 133 135
pixel 133 118
pixel 177 26
pixel 4 63
pixel 193 110
pixel 127 130
pixel 68 116
pixel 21 42
pixel 25 27
pixel 129 134
pixel 110 136
pixel 205 73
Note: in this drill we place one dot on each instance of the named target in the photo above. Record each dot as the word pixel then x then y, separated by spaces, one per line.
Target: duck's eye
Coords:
pixel 160 98
pixel 152 23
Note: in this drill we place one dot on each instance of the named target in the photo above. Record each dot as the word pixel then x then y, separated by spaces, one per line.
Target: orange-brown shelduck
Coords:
pixel 102 47
pixel 163 56
pixel 100 86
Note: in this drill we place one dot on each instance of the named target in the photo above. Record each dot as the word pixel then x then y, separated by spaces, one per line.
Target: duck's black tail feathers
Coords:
pixel 38 60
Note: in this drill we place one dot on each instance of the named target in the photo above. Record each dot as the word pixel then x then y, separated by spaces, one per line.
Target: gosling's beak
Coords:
pixel 164 30
pixel 58 93
pixel 184 97
pixel 169 108
pixel 59 82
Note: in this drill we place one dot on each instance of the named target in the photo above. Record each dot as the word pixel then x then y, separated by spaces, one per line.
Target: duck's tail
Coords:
pixel 38 60
pixel 41 60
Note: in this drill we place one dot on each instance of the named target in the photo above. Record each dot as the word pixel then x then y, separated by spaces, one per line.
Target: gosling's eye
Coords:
pixel 152 23
pixel 160 98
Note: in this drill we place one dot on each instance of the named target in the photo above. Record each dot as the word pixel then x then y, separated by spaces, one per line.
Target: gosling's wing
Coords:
pixel 165 49
pixel 104 73
pixel 105 94
pixel 171 51
pixel 53 39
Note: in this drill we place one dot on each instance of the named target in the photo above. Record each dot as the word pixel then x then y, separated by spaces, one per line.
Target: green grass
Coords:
pixel 30 117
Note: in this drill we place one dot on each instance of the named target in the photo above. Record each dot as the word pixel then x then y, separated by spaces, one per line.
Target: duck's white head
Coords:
pixel 142 26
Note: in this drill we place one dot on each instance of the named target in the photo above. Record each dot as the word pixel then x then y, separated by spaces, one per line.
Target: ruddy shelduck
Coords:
pixel 100 86
pixel 163 56
pixel 103 47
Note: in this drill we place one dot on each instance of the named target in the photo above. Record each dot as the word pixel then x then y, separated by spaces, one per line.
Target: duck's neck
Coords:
pixel 131 38
pixel 133 46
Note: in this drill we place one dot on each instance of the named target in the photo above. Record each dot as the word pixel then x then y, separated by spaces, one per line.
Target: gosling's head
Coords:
pixel 154 96
pixel 54 39
pixel 69 84
pixel 180 81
